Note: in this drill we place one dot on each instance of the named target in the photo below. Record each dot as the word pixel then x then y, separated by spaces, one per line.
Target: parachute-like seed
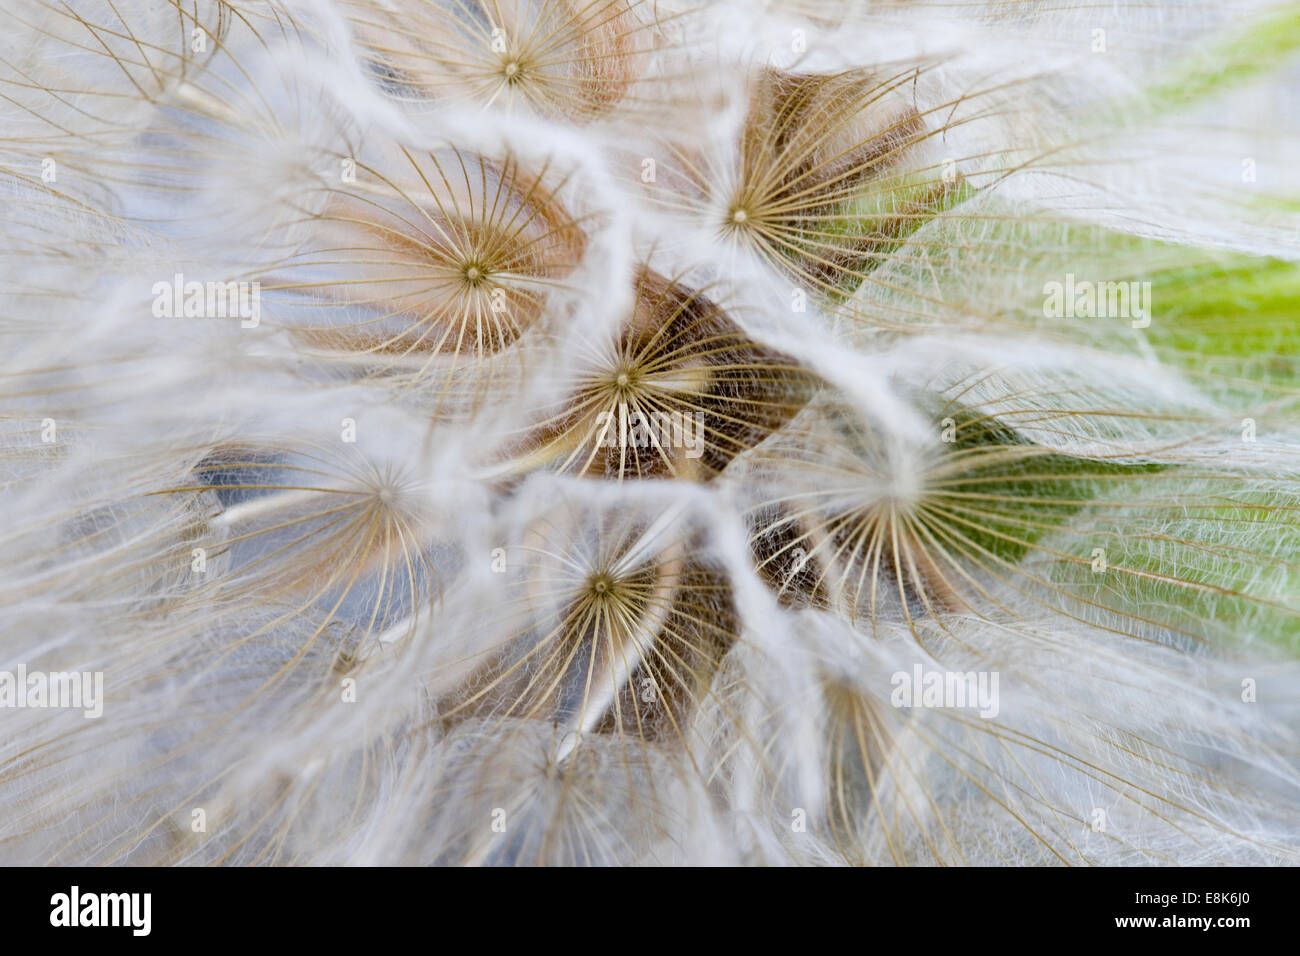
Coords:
pixel 610 624
pixel 979 521
pixel 567 59
pixel 679 392
pixel 435 265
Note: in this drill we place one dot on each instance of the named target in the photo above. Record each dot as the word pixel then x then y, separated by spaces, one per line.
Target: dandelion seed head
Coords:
pixel 553 432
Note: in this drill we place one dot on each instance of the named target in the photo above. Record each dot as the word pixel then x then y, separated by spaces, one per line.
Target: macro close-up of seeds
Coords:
pixel 649 433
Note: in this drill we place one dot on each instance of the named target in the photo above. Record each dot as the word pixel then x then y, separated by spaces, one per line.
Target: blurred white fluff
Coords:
pixel 364 585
